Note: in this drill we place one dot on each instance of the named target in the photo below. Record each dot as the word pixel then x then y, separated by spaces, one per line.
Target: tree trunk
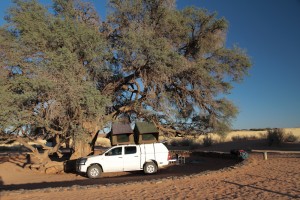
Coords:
pixel 81 149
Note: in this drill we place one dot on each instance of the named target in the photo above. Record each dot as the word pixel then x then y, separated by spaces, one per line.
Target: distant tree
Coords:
pixel 48 64
pixel 172 66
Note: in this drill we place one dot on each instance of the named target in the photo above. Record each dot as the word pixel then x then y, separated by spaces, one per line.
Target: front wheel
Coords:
pixel 150 168
pixel 94 171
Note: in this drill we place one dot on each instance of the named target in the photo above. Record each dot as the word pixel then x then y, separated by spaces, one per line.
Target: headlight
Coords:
pixel 81 161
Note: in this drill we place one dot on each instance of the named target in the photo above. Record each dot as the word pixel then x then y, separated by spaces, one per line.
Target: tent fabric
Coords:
pixel 121 128
pixel 145 132
pixel 145 127
pixel 121 133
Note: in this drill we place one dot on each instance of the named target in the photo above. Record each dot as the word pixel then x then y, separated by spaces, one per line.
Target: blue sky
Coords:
pixel 270 33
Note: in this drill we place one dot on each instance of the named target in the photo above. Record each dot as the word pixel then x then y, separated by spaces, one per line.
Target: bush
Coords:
pixel 290 137
pixel 207 141
pixel 186 142
pixel 174 143
pixel 243 138
pixel 275 136
pixel 195 145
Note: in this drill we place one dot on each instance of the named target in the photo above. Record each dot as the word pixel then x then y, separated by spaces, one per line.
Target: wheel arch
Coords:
pixel 148 161
pixel 97 165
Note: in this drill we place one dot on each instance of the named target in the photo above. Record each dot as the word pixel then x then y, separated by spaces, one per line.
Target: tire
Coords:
pixel 150 168
pixel 94 171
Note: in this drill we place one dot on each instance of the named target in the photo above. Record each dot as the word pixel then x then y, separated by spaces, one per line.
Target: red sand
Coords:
pixel 275 178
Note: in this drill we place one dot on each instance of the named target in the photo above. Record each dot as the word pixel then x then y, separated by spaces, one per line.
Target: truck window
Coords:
pixel 114 152
pixel 130 150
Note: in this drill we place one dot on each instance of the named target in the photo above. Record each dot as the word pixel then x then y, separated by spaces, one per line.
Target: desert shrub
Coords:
pixel 195 145
pixel 186 142
pixel 207 141
pixel 243 138
pixel 236 138
pixel 260 129
pixel 290 137
pixel 262 135
pixel 174 143
pixel 275 136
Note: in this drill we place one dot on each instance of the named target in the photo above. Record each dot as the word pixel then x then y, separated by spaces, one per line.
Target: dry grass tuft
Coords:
pixel 293 135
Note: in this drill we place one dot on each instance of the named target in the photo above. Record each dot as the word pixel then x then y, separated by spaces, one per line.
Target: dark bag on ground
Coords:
pixel 240 153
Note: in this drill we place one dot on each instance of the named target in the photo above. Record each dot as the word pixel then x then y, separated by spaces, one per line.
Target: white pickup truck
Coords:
pixel 147 157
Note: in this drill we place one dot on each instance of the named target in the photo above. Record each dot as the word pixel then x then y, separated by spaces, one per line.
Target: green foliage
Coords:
pixel 147 60
pixel 58 55
pixel 177 61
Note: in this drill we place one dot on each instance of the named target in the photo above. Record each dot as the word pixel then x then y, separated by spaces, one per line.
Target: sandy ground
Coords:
pixel 275 178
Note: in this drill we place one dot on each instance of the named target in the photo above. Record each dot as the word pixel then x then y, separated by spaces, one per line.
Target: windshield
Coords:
pixel 98 150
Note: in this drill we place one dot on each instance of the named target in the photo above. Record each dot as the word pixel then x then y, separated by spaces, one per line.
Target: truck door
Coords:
pixel 131 158
pixel 113 160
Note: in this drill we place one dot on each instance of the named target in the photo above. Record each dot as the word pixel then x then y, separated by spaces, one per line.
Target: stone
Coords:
pixel 51 170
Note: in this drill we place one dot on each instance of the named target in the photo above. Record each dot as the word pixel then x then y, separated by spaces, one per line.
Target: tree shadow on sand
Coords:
pixel 263 189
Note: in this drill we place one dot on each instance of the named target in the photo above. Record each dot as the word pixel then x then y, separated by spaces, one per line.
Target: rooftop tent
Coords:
pixel 145 132
pixel 121 133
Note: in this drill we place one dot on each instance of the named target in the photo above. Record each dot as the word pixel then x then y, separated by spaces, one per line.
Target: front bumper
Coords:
pixel 80 166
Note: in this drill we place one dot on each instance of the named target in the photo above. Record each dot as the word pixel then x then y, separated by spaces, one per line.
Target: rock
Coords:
pixel 54 164
pixel 51 170
pixel 54 167
pixel 35 166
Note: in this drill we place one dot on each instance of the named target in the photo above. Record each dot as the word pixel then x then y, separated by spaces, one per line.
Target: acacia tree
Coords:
pixel 49 60
pixel 148 60
pixel 171 66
